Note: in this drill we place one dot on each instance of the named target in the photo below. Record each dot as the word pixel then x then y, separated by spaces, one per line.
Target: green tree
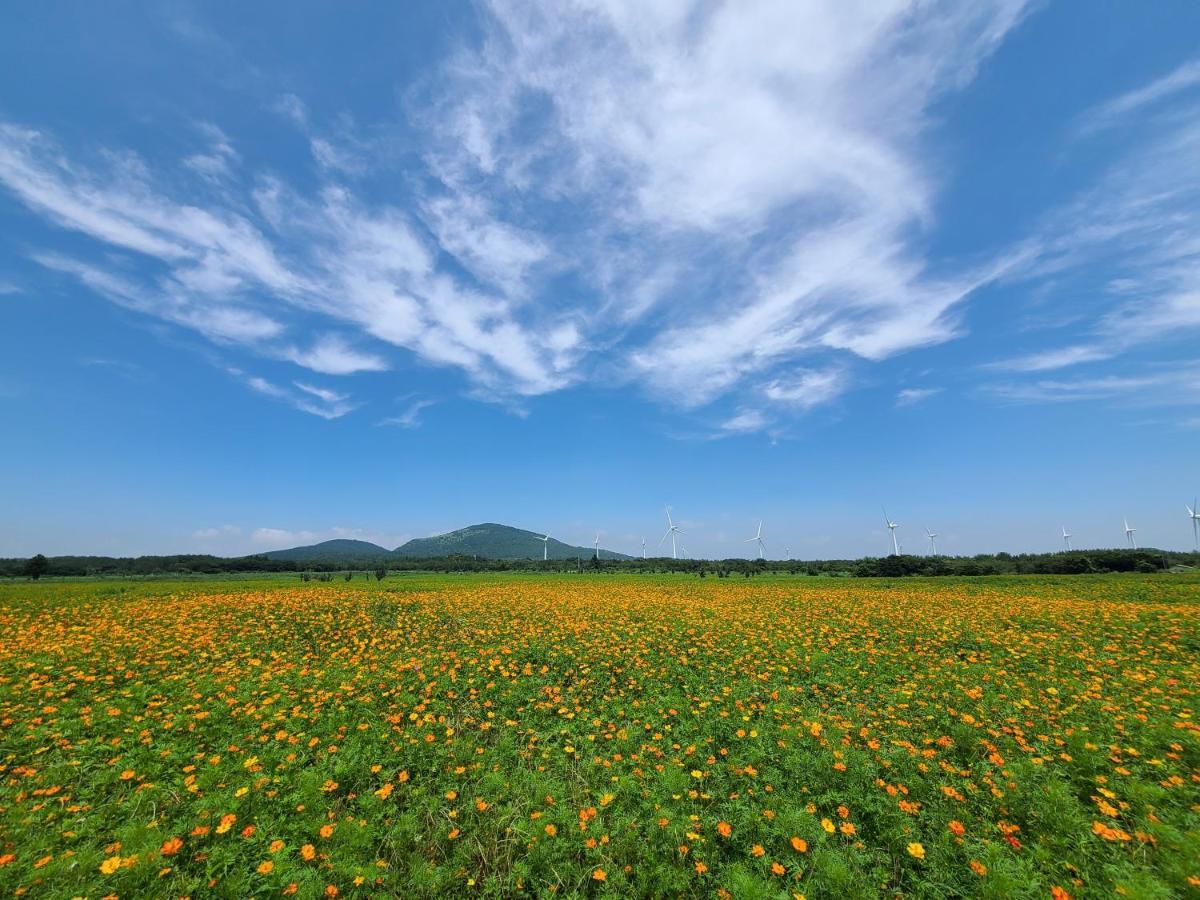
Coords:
pixel 37 567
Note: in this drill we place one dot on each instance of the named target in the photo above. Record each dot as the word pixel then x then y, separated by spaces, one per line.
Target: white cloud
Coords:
pixel 912 396
pixel 746 420
pixel 307 398
pixel 224 531
pixel 1152 387
pixel 292 107
pixel 685 195
pixel 218 161
pixel 1058 358
pixel 806 389
pixel 1113 111
pixel 411 417
pixel 332 354
pixel 1138 227
pixel 283 538
pixel 754 137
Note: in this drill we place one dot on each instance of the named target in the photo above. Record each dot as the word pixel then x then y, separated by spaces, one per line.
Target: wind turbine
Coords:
pixel 787 552
pixel 1129 535
pixel 932 535
pixel 545 547
pixel 672 530
pixel 643 548
pixel 1067 538
pixel 757 538
pixel 1194 515
pixel 596 543
pixel 892 526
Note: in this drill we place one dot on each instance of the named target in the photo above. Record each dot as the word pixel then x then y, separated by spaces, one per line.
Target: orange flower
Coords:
pixel 978 868
pixel 308 851
pixel 957 828
pixel 847 828
pixel 599 875
pixel 1057 893
pixel 777 868
pixel 551 830
pixel 171 846
pixel 701 868
pixel 799 844
pixel 384 792
pixel 265 867
pixel 724 829
pixel 326 831
pixel 758 850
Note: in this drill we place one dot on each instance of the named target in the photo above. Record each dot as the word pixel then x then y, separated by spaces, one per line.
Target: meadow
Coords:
pixel 598 735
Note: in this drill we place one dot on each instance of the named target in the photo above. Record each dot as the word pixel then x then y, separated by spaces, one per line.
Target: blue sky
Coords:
pixel 272 274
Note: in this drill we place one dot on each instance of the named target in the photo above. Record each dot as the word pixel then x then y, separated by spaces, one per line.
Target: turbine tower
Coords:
pixel 787 553
pixel 892 526
pixel 1129 535
pixel 672 530
pixel 932 535
pixel 545 547
pixel 1194 515
pixel 757 539
pixel 1067 538
pixel 596 543
pixel 643 548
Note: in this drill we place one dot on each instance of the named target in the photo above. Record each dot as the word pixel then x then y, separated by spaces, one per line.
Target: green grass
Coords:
pixel 993 737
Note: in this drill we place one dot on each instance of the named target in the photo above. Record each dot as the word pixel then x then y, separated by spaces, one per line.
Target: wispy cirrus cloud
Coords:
pixel 410 417
pixel 686 196
pixel 913 396
pixel 285 538
pixel 1129 244
pixel 1183 78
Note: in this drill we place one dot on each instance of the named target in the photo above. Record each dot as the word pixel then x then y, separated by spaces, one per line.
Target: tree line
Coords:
pixel 1076 562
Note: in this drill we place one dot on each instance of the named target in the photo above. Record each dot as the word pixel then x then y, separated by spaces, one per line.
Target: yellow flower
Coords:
pixel 827 825
pixel 110 865
pixel 916 851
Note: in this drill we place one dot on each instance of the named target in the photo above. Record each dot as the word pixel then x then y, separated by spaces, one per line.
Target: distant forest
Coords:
pixel 1076 562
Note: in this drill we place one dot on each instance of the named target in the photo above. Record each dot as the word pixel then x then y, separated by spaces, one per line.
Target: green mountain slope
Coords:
pixel 331 550
pixel 492 541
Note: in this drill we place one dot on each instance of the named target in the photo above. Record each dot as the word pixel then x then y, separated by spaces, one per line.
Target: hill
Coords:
pixel 492 541
pixel 330 550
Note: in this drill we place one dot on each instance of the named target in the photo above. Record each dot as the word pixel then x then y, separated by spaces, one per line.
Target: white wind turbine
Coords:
pixel 1129 535
pixel 757 539
pixel 1067 538
pixel 892 526
pixel 545 539
pixel 1194 515
pixel 672 530
pixel 932 535
pixel 643 548
pixel 596 544
pixel 787 553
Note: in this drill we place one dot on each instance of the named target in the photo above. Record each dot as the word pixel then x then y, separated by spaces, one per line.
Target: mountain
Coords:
pixel 492 541
pixel 330 551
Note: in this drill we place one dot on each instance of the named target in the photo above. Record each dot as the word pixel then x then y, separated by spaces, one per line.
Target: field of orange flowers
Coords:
pixel 592 735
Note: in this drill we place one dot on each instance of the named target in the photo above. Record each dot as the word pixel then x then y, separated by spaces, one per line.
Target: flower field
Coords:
pixel 592 735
